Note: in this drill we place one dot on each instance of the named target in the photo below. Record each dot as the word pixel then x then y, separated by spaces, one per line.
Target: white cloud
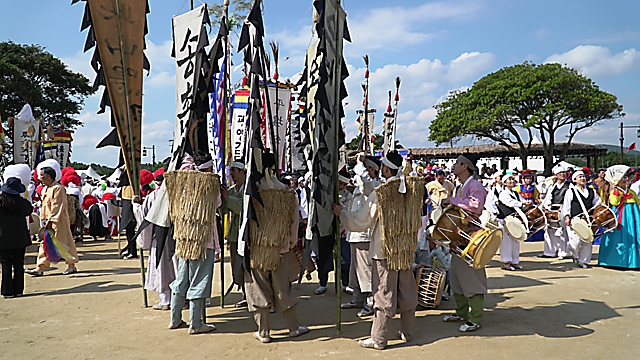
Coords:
pixel 395 27
pixel 160 56
pixel 161 79
pixel 597 60
pixel 424 84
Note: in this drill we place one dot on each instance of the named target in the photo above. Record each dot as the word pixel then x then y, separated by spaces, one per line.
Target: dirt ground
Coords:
pixel 550 310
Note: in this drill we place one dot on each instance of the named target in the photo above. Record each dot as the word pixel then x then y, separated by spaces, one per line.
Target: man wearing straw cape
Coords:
pixel 393 283
pixel 195 276
pixel 266 280
pixel 469 285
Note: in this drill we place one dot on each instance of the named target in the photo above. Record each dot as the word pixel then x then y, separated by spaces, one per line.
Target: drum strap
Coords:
pixel 523 217
pixel 584 209
pixel 474 240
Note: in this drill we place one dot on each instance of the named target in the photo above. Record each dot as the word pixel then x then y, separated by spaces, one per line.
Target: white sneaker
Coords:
pixel 370 344
pixel 366 311
pixel 469 326
pixel 205 328
pixel 264 340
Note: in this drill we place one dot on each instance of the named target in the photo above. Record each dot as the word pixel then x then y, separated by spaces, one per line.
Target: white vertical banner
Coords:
pixel 189 37
pixel 26 132
pixel 62 155
pixel 279 105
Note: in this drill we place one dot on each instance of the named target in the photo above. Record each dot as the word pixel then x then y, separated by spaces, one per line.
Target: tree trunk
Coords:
pixel 548 155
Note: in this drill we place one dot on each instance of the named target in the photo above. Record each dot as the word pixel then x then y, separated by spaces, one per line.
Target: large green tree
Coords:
pixel 29 74
pixel 516 103
pixel 238 10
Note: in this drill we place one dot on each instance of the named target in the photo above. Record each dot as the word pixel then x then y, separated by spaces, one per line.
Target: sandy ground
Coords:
pixel 550 310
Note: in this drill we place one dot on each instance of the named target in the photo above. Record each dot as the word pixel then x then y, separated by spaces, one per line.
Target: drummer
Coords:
pixel 527 190
pixel 578 200
pixel 469 285
pixel 555 236
pixel 509 202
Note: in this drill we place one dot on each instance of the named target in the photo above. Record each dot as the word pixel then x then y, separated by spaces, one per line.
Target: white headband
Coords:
pixel 206 165
pixel 238 165
pixel 402 188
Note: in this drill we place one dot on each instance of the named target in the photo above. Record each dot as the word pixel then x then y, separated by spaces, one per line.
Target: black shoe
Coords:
pixel 8 296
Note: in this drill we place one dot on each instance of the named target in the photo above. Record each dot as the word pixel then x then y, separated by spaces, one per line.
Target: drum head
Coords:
pixel 515 228
pixel 487 249
pixel 582 229
pixel 436 213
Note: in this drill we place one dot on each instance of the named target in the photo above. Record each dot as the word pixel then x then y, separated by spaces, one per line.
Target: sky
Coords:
pixel 434 46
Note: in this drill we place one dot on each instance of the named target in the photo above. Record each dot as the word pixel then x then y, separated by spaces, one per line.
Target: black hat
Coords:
pixel 13 186
pixel 343 175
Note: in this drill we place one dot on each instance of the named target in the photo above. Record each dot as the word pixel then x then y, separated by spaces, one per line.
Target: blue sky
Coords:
pixel 434 46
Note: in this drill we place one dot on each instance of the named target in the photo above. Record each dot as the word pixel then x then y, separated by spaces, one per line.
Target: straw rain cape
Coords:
pixel 193 198
pixel 272 231
pixel 400 219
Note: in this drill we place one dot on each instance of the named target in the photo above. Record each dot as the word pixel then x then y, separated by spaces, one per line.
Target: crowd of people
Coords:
pixel 575 207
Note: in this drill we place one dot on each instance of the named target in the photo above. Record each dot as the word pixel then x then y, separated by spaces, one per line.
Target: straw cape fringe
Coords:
pixel 272 234
pixel 400 220
pixel 193 196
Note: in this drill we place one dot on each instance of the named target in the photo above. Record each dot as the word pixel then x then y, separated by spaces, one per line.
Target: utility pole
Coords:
pixel 622 127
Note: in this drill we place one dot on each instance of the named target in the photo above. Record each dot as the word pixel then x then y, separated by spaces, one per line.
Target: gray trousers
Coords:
pixel 360 273
pixel 393 292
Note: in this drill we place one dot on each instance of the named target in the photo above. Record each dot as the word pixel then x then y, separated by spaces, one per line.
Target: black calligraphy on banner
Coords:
pixel 118 29
pixel 189 42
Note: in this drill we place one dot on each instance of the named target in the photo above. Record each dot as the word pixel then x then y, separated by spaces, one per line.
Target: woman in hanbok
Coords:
pixel 621 248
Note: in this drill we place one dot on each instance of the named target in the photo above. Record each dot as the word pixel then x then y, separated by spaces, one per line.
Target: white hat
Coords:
pixel 558 169
pixel 578 173
pixel 52 164
pixel 20 171
pixel 507 177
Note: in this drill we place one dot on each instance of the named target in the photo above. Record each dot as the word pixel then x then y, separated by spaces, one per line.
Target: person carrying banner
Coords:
pixel 359 241
pixel 232 200
pixel 469 285
pixel 194 278
pixel 55 216
pixel 394 291
pixel 266 273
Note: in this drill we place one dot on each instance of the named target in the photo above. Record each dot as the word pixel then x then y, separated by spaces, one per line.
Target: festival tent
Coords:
pixel 113 178
pixel 89 173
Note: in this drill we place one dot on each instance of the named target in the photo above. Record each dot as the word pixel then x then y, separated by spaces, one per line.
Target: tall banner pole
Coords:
pixel 337 76
pixel 223 140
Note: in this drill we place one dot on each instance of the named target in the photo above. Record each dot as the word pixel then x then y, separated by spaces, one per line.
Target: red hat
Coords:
pixel 67 170
pixel 146 177
pixel 158 173
pixel 36 179
pixel 70 178
pixel 107 196
pixel 526 172
pixel 88 201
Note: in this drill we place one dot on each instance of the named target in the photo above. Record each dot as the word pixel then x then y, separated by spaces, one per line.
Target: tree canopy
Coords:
pixel 29 74
pixel 238 10
pixel 514 104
